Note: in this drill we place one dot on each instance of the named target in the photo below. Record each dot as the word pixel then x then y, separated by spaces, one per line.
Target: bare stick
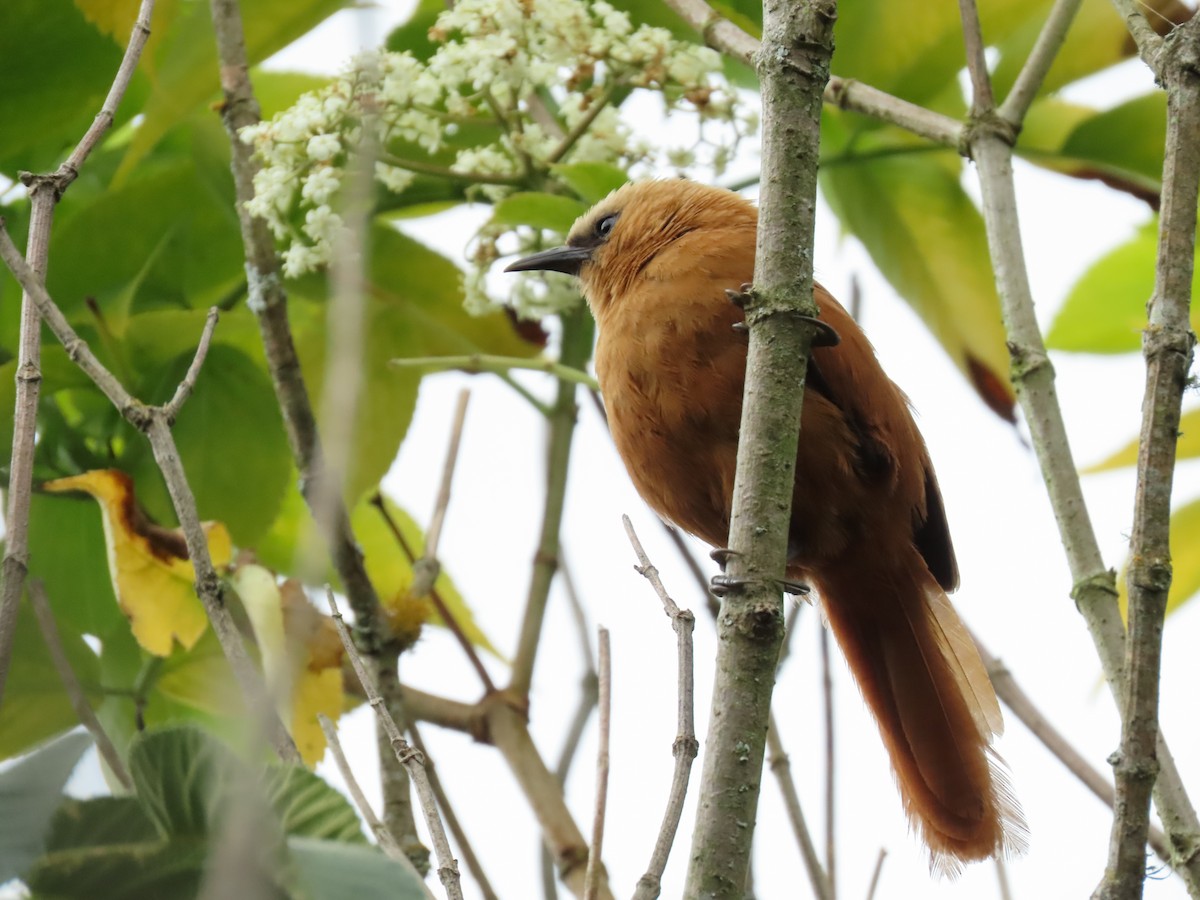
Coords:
pixel 781 766
pixel 1023 707
pixel 79 701
pixel 428 587
pixel 1167 346
pixel 830 763
pixel 686 747
pixel 576 348
pixel 591 880
pixel 44 193
pixel 153 422
pixel 452 822
pixel 876 873
pixel 793 69
pixel 1094 592
pixel 589 696
pixel 1041 58
pixel 410 758
pixel 383 835
pixel 1148 42
pixel 721 34
pixel 434 533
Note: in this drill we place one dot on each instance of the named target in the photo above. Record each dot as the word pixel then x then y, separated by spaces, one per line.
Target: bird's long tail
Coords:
pixel 923 680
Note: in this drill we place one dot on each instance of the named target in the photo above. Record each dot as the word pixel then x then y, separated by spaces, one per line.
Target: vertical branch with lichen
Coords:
pixel 793 68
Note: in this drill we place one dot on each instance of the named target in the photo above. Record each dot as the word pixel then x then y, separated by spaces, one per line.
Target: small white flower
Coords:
pixel 323 147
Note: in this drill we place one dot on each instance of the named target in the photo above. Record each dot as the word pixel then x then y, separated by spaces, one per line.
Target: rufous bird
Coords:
pixel 655 260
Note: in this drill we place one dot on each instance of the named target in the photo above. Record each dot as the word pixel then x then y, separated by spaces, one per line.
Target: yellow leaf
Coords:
pixel 301 655
pixel 392 574
pixel 1185 561
pixel 151 573
pixel 317 691
pixel 1188 446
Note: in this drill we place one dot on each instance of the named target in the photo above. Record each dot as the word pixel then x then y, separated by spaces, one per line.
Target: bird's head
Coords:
pixel 615 241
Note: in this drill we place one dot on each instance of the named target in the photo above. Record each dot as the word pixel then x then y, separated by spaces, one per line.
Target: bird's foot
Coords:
pixel 721 556
pixel 720 585
pixel 826 335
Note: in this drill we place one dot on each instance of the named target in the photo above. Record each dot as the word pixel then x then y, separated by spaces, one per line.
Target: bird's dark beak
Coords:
pixel 567 260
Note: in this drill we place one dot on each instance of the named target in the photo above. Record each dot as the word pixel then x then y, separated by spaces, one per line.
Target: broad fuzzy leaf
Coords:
pixel 30 791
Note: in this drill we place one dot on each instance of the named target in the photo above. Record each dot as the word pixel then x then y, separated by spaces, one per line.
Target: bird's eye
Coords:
pixel 605 226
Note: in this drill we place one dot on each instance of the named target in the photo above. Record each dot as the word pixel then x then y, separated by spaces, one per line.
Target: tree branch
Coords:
pixel 452 822
pixel 591 879
pixel 410 758
pixel 268 301
pixel 153 422
pixel 844 93
pixel 793 69
pixel 991 140
pixel 781 766
pixel 576 348
pixel 475 363
pixel 1167 346
pixel 686 747
pixel 44 193
pixel 79 701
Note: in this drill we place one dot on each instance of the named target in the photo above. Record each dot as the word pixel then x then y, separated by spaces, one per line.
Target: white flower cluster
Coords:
pixel 541 79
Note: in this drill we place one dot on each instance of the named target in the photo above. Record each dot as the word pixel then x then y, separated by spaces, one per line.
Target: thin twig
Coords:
pixel 591 880
pixel 452 822
pixel 686 747
pixel 845 93
pixel 429 589
pixel 589 696
pixel 982 99
pixel 434 533
pixel 576 349
pixel 1094 590
pixel 878 870
pixel 44 193
pixel 1041 58
pixel 1023 707
pixel 79 701
pixel 1148 42
pixel 383 835
pixel 830 764
pixel 1167 344
pixel 423 167
pixel 153 422
pixel 410 758
pixel 478 363
pixel 781 766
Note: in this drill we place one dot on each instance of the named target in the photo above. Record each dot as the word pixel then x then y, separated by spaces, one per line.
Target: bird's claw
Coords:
pixel 739 297
pixel 721 556
pixel 723 584
pixel 826 335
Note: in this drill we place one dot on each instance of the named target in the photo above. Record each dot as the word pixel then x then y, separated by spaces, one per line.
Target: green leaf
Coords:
pixel 548 211
pixel 30 792
pixel 1123 147
pixel 169 215
pixel 36 706
pixel 1105 311
pixel 1188 446
pixel 52 112
pixel 414 308
pixel 142 871
pixel 413 35
pixel 231 441
pixel 183 779
pixel 99 822
pixel 331 871
pixel 927 238
pixel 309 808
pixel 591 181
pixel 67 552
pixel 184 64
pixel 1185 561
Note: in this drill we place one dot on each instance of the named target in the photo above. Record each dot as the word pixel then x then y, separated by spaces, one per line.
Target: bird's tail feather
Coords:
pixel 921 675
